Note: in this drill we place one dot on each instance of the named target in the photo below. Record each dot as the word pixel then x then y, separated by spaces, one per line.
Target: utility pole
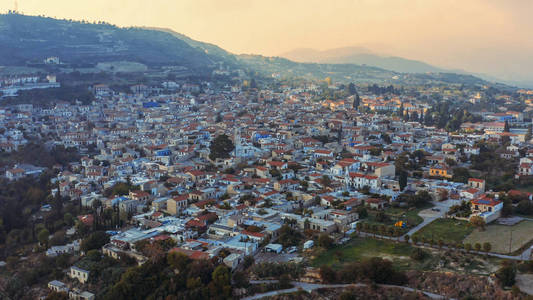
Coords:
pixel 16 6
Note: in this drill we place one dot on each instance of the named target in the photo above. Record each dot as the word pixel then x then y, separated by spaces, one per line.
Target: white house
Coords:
pixel 78 273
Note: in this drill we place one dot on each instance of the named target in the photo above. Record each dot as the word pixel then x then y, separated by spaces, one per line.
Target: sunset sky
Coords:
pixel 485 36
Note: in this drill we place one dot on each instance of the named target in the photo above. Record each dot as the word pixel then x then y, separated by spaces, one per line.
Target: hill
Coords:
pixel 360 56
pixel 31 38
pixel 215 53
pixel 27 40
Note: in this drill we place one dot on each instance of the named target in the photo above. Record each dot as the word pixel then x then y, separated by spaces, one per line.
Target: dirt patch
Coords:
pixel 500 236
pixel 428 213
pixel 525 283
pixel 457 285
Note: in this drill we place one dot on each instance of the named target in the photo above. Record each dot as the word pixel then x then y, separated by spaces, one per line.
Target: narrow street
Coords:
pixel 308 287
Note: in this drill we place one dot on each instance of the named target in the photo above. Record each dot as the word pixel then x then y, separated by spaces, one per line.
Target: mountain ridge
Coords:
pixel 361 56
pixel 34 38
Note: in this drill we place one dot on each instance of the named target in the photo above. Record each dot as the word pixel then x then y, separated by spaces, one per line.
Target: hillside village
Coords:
pixel 271 171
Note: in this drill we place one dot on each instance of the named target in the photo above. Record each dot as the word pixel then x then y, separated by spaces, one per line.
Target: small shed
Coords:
pixel 276 248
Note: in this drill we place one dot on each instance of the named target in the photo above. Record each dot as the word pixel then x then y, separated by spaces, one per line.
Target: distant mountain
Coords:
pixel 31 38
pixel 360 56
pixel 285 68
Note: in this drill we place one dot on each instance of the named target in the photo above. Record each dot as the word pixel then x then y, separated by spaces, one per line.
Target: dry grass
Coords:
pixel 499 236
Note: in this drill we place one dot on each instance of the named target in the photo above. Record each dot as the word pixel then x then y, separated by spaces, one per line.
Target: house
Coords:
pixel 345 166
pixel 315 224
pixel 279 165
pixel 470 193
pixel 525 169
pixel 487 208
pixel 14 174
pixel 139 195
pixel 275 248
pixel 57 286
pixel 233 260
pixel 76 294
pixel 477 183
pixel 380 169
pixel 68 248
pixel 440 170
pixel 78 273
pixel 327 200
pixel 286 185
pixel 468 151
pixel 375 203
pixel 320 153
pixel 177 204
pixel 262 172
pixel 360 180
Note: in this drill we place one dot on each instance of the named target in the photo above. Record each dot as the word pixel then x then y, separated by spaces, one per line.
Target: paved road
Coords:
pixel 308 287
pixel 413 230
pixel 429 216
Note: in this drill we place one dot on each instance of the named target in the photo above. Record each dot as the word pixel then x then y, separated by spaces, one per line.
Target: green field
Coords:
pixel 499 236
pixel 447 230
pixel 399 253
pixel 360 248
pixel 395 214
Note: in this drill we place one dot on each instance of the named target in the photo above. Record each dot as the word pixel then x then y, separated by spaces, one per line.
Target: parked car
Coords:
pixel 292 249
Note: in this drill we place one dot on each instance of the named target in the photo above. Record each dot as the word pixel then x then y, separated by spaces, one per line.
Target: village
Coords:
pixel 240 173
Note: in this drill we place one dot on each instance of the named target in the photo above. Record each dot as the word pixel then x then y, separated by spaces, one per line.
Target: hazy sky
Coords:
pixel 488 36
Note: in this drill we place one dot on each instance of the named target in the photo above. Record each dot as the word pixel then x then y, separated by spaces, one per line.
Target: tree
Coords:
pixel 415 239
pixel 461 175
pixel 351 89
pixel 68 219
pixel 240 279
pixel 284 281
pixel 477 246
pixel 386 138
pixel 418 254
pixel 468 247
pixel 359 227
pixel 507 274
pixel 248 261
pixel 57 296
pixel 327 274
pixel 221 282
pixel 178 260
pixel 356 101
pixel 221 147
pixel 487 247
pixel 478 222
pixel 96 240
pixel 43 236
pixel 403 180
pixel 326 181
pixel 253 84
pixel 362 212
pixel 324 240
pixel 406 238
